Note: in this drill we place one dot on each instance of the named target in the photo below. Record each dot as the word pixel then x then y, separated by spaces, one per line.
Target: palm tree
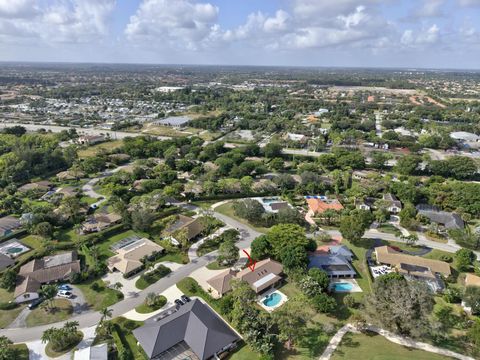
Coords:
pixel 150 299
pixel 49 292
pixel 117 286
pixel 94 253
pixel 106 313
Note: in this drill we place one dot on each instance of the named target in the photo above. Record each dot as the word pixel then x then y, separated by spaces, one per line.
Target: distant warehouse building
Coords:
pixel 175 121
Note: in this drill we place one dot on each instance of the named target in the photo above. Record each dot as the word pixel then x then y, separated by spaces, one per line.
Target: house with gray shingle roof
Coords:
pixel 194 331
pixel 446 219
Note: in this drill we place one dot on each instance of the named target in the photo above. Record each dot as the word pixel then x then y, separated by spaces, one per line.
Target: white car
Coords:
pixel 64 294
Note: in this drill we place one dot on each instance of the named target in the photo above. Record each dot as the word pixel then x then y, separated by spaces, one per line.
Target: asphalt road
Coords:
pixel 90 318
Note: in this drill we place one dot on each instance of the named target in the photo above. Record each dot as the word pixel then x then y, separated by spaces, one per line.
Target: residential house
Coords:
pixel 470 280
pixel 366 204
pixel 393 205
pixel 70 175
pixel 319 204
pixel 272 204
pixel 8 224
pixel 37 272
pixel 445 219
pixel 90 139
pixel 191 226
pixel 336 262
pixel 267 273
pixel 5 261
pixel 193 331
pixel 36 186
pixel 415 267
pixel 99 222
pixel 129 257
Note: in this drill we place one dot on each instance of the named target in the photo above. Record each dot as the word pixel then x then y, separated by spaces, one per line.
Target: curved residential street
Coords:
pixel 90 318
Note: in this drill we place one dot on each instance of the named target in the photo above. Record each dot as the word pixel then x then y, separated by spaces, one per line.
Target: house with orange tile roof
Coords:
pixel 318 205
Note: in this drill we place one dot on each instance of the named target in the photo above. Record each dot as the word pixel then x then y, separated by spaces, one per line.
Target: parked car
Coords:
pixel 185 298
pixel 65 287
pixel 179 302
pixel 35 303
pixel 65 294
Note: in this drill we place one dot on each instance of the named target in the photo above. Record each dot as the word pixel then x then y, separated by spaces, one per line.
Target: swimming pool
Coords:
pixel 272 299
pixel 343 287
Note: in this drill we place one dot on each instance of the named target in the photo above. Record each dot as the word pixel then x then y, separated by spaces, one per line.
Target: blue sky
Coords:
pixel 386 33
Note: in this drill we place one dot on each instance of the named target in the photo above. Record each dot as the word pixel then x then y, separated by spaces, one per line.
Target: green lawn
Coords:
pixel 7 316
pixel 145 309
pixel 32 241
pixel 375 347
pixel 88 200
pixel 40 316
pixel 5 296
pixel 216 266
pixel 227 209
pixel 147 279
pixel 101 298
pixel 389 229
pixel 244 353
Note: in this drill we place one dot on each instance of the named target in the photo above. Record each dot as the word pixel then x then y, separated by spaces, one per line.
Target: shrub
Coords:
pixel 446 258
pixel 350 301
pixel 8 306
pixel 324 303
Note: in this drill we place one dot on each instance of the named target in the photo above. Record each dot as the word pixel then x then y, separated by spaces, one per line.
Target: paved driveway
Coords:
pixel 78 301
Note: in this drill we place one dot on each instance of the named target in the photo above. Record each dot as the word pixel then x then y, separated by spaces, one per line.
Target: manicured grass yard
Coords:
pixel 101 298
pixel 227 209
pixel 244 353
pixel 32 241
pixel 5 296
pixel 389 229
pixel 7 316
pixel 376 347
pixel 216 266
pixel 40 316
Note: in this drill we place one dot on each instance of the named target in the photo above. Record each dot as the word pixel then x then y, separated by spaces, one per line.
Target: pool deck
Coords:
pixel 282 301
pixel 355 286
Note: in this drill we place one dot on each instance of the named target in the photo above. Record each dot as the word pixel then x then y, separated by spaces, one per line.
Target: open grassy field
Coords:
pixel 227 209
pixel 40 316
pixel 94 149
pixel 376 347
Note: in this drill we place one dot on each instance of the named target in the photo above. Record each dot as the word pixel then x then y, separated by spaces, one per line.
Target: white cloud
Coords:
pixel 179 23
pixel 429 8
pixel 17 8
pixel 424 37
pixel 61 21
pixel 277 23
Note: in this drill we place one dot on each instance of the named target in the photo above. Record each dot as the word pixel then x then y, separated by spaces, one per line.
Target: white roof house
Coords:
pixel 464 136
